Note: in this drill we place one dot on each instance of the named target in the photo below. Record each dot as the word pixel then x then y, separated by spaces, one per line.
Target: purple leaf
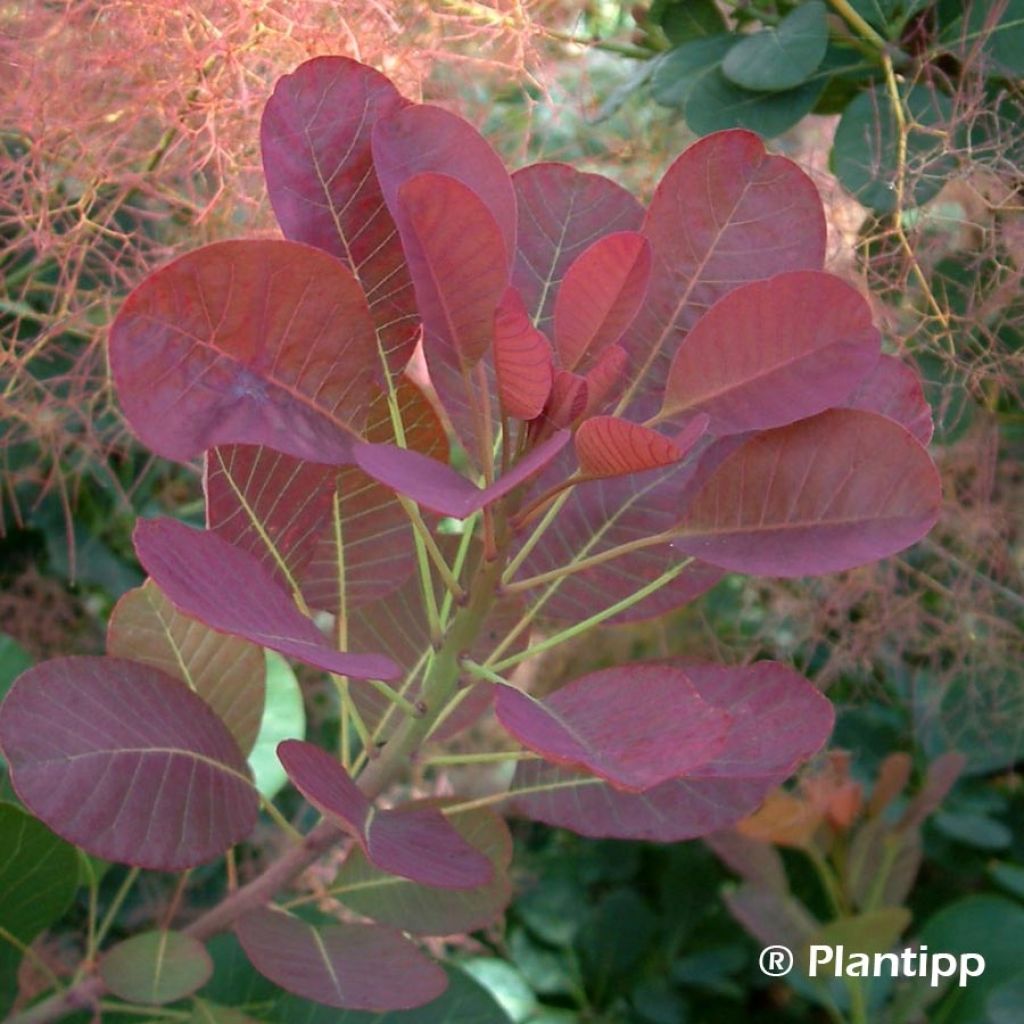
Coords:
pixel 440 488
pixel 251 342
pixel 417 844
pixel 778 720
pixel 609 446
pixel 315 137
pixel 726 212
pixel 522 360
pixel 839 490
pixel 228 589
pixel 350 966
pixel 893 389
pixel 569 399
pixel 599 296
pixel 636 727
pixel 126 762
pixel 773 352
pixel 156 967
pixel 604 379
pixel 228 673
pixel 562 211
pixel 424 139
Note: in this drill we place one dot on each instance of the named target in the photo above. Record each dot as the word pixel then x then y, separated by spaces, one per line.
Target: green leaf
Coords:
pixel 682 20
pixel 614 940
pixel 38 878
pixel 14 659
pixel 204 1012
pixel 783 56
pixel 680 69
pixel 865 150
pixel 156 967
pixel 975 830
pixel 874 932
pixel 505 984
pixel 1009 876
pixel 998 27
pixel 284 718
pixel 987 925
pixel 1006 1004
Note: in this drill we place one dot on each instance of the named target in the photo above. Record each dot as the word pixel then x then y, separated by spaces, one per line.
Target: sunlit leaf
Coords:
pixel 522 360
pixel 284 718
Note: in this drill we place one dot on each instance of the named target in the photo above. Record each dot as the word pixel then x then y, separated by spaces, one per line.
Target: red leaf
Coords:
pixel 568 400
pixel 229 590
pixel 440 488
pixel 773 352
pixel 893 389
pixel 421 138
pixel 315 137
pixel 418 844
pixel 126 762
pixel 350 966
pixel 839 490
pixel 609 446
pixel 522 360
pixel 599 296
pixel 635 727
pixel 778 720
pixel 604 379
pixel 726 212
pixel 562 211
pixel 253 342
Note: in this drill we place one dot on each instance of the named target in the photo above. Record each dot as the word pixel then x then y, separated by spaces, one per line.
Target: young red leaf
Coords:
pixel 231 592
pixel 773 352
pixel 599 297
pixel 156 967
pixel 893 389
pixel 726 212
pixel 522 360
pixel 568 400
pixel 562 211
pixel 421 138
pixel 253 342
pixel 315 137
pixel 350 966
pixel 440 488
pixel 778 720
pixel 604 379
pixel 126 762
pixel 636 728
pixel 419 844
pixel 609 446
pixel 832 492
pixel 228 673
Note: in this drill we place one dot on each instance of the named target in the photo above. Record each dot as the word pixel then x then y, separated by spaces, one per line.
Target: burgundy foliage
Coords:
pixel 642 400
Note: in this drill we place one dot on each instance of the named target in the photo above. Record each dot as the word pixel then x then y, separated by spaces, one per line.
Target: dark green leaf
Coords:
pixel 997 28
pixel 682 20
pixel 783 56
pixel 975 830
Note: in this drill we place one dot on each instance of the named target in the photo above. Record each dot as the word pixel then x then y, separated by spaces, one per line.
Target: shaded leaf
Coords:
pixel 780 56
pixel 599 296
pixel 568 400
pixel 249 342
pixel 635 727
pixel 839 490
pixel 350 966
pixel 156 967
pixel 609 446
pixel 230 591
pixel 893 389
pixel 771 916
pixel 874 932
pixel 604 379
pixel 755 862
pixel 315 137
pixel 94 742
pixel 228 673
pixel 726 212
pixel 773 352
pixel 428 910
pixel 778 720
pixel 284 718
pixel 417 844
pixel 875 848
pixel 522 360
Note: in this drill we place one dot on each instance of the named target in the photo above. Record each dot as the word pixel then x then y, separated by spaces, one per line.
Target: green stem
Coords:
pixel 491 757
pixel 115 905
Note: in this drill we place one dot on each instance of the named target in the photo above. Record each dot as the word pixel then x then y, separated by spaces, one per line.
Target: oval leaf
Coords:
pixel 126 762
pixel 418 844
pixel 782 56
pixel 522 360
pixel 284 718
pixel 635 727
pixel 894 390
pixel 773 352
pixel 250 342
pixel 604 379
pixel 315 137
pixel 599 296
pixel 228 673
pixel 609 446
pixel 350 966
pixel 231 592
pixel 778 719
pixel 156 967
pixel 839 490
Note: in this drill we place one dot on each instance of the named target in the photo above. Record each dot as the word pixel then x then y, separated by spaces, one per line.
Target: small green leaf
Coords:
pixel 783 56
pixel 14 659
pixel 975 830
pixel 156 967
pixel 874 932
pixel 505 984
pixel 679 70
pixel 284 718
pixel 998 27
pixel 1009 876
pixel 682 20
